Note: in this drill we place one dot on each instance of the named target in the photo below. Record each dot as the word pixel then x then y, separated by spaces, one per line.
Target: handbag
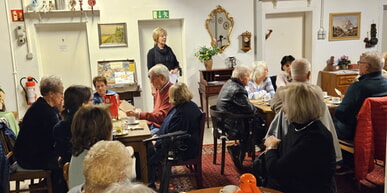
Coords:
pixel 259 170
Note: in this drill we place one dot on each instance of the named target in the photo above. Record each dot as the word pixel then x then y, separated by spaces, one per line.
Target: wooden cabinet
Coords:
pixel 211 81
pixel 336 79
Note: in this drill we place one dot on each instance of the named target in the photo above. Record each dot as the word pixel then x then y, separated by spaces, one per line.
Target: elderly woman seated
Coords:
pixel 304 161
pixel 106 162
pixel 259 83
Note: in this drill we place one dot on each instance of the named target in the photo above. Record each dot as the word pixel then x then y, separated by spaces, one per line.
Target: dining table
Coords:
pixel 133 135
pixel 264 111
pixel 217 190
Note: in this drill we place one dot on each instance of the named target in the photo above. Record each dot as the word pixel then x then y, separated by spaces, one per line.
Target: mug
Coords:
pixel 336 99
pixel 325 94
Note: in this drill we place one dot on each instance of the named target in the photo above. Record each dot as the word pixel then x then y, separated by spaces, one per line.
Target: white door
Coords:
pixel 64 52
pixel 287 38
pixel 174 40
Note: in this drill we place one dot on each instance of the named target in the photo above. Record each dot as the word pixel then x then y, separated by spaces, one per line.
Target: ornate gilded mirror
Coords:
pixel 219 26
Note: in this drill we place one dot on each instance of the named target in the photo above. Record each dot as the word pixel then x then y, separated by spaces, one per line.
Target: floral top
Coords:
pixel 264 87
pixel 283 79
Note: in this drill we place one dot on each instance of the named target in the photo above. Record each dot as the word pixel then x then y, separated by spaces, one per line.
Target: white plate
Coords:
pixel 334 103
pixel 327 96
pixel 134 123
pixel 124 132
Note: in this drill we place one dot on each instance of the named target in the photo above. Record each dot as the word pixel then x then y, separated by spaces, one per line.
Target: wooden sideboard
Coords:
pixel 126 92
pixel 211 81
pixel 337 79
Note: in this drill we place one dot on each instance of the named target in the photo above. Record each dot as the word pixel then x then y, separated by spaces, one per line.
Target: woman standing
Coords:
pixel 163 54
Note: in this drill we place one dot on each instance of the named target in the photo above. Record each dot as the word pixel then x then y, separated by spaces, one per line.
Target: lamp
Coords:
pixel 321 33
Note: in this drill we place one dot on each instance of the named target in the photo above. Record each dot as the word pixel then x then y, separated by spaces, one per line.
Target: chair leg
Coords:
pixel 223 156
pixel 199 175
pixel 215 150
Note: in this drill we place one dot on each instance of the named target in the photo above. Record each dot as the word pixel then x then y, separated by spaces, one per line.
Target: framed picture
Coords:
pixel 112 35
pixel 344 26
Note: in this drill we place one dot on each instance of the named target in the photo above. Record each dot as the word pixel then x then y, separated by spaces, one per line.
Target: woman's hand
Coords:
pixel 272 141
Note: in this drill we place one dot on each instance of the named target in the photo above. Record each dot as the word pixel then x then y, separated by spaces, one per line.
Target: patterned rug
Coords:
pixel 213 178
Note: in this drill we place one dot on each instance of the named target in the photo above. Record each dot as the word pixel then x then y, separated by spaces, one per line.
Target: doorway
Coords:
pixel 64 52
pixel 289 37
pixel 174 28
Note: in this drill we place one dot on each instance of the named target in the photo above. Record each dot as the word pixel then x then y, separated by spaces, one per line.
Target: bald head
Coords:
pixel 300 70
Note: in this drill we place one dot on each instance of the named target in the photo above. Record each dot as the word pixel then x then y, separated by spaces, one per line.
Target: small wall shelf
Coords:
pixel 60 14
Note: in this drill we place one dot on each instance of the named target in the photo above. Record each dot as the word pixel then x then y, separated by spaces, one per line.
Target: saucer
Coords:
pixel 134 123
pixel 124 132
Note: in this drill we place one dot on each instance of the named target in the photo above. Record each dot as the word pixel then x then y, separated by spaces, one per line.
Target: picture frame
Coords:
pixel 344 26
pixel 112 35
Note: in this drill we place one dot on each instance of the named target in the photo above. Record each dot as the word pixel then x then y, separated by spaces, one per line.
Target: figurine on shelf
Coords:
pixel 330 64
pixel 80 5
pixel 248 184
pixel 92 4
pixel 72 4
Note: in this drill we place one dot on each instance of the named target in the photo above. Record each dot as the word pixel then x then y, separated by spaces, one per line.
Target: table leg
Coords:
pixel 144 163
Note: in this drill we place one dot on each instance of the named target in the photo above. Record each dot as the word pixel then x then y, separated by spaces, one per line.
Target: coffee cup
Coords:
pixel 131 119
pixel 325 94
pixel 266 97
pixel 336 99
pixel 229 189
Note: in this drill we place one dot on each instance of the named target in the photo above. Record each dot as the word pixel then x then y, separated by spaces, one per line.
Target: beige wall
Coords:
pixel 248 16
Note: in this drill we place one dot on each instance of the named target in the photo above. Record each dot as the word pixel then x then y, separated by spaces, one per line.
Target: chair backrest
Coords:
pixel 218 117
pixel 201 135
pixel 370 136
pixel 273 80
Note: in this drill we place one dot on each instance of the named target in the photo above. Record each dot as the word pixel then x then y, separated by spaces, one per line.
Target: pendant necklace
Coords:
pixel 304 126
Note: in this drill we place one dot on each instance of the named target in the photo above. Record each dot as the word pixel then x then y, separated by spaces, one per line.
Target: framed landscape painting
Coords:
pixel 344 26
pixel 112 35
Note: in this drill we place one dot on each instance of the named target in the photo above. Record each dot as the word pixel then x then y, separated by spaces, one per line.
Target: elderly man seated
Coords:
pixel 233 98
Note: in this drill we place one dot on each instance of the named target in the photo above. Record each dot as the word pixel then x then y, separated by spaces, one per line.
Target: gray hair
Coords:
pixel 375 61
pixel 160 70
pixel 128 188
pixel 257 70
pixel 240 70
pixel 302 102
pixel 50 84
pixel 300 69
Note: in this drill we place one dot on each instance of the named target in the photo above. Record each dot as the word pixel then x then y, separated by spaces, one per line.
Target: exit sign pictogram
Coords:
pixel 160 14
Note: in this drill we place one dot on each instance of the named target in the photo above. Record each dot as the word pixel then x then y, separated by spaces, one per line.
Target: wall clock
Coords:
pixel 246 41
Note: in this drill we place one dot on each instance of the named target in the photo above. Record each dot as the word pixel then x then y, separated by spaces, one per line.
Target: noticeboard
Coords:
pixel 118 72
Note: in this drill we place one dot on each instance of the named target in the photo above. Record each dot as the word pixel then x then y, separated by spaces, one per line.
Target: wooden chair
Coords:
pixel 194 165
pixel 19 176
pixel 369 146
pixel 219 132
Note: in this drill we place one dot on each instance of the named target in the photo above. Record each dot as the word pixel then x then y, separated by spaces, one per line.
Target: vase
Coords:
pixel 208 64
pixel 343 67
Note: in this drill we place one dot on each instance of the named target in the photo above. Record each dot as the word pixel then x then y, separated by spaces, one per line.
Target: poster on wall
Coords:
pixel 118 71
pixel 344 26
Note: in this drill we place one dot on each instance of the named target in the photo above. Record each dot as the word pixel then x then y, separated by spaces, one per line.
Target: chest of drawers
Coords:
pixel 336 79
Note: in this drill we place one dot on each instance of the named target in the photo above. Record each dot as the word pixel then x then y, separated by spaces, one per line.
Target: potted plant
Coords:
pixel 204 54
pixel 343 62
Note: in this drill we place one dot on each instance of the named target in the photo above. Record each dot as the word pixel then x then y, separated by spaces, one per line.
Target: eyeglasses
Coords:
pixel 153 77
pixel 360 62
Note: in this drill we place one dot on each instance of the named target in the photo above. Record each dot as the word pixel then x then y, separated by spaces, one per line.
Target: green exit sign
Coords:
pixel 160 14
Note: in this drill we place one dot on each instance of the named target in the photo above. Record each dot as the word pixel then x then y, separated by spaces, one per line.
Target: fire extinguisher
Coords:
pixel 29 89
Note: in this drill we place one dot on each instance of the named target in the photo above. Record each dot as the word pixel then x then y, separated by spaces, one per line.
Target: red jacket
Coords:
pixel 370 137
